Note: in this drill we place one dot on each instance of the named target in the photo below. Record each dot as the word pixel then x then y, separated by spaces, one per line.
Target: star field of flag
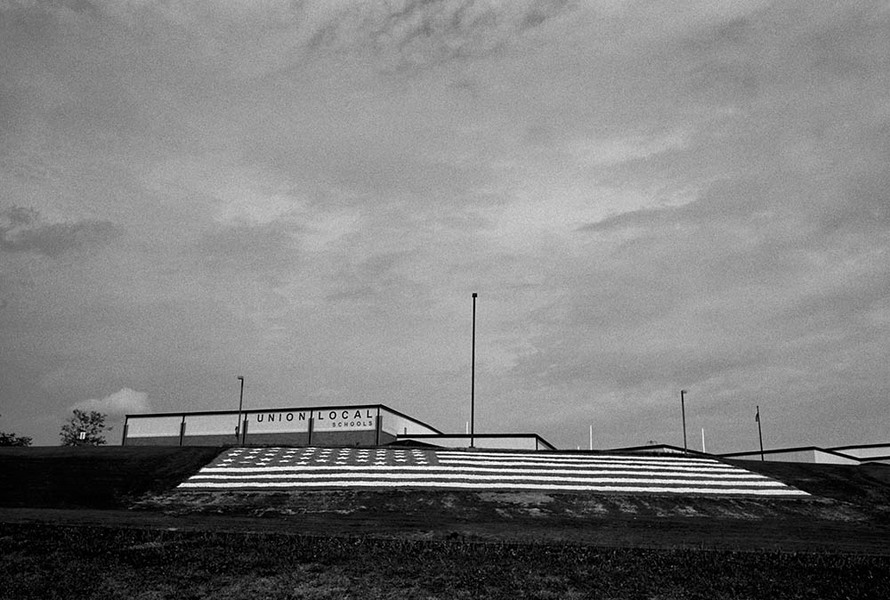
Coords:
pixel 314 468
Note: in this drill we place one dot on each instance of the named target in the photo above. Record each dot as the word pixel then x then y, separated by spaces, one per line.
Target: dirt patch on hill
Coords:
pixel 469 505
pixel 603 520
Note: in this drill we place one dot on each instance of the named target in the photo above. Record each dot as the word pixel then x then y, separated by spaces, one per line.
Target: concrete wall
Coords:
pixel 870 451
pixel 140 432
pixel 396 424
pixel 159 441
pixel 341 426
pixel 831 458
pixel 463 441
pixel 323 438
pixel 803 455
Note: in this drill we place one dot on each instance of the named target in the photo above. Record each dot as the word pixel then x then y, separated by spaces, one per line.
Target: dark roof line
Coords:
pixel 788 450
pixel 886 445
pixel 655 447
pixel 480 435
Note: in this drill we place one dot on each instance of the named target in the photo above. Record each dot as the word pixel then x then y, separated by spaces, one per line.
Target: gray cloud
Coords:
pixel 22 230
pixel 254 40
pixel 121 402
pixel 250 251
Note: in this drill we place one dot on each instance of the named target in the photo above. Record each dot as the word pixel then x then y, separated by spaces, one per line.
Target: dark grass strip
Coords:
pixel 43 561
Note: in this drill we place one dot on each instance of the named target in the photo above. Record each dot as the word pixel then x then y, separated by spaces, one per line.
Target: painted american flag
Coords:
pixel 289 469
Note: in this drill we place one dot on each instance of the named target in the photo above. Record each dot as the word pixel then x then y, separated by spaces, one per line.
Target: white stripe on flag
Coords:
pixel 459 477
pixel 350 483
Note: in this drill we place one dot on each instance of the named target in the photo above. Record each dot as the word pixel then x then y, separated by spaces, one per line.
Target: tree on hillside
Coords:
pixel 84 429
pixel 11 439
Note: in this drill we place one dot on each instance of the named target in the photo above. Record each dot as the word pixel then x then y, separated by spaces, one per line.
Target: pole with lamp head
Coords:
pixel 759 431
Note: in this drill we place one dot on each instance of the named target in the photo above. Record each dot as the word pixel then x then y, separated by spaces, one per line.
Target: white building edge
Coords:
pixel 837 455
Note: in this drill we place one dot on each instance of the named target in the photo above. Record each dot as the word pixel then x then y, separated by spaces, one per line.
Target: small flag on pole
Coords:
pixel 757 416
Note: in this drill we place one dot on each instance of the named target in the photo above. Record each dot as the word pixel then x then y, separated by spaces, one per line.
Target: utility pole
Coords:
pixel 683 409
pixel 473 381
pixel 759 432
pixel 240 404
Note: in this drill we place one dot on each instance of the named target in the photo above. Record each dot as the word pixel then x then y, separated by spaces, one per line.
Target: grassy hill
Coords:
pixel 848 512
pixel 108 523
pixel 91 477
pixel 866 486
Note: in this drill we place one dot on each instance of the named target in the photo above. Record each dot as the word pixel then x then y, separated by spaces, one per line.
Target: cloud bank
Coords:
pixel 125 401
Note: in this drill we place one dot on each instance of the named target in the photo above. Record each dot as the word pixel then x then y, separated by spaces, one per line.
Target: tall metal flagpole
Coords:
pixel 683 409
pixel 473 381
pixel 240 404
pixel 759 431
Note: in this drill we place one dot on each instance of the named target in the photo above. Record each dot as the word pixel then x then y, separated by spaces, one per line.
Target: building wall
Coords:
pixel 870 451
pixel 320 439
pixel 831 458
pixel 804 455
pixel 801 456
pixel 396 424
pixel 139 432
pixel 488 441
pixel 331 426
pixel 162 441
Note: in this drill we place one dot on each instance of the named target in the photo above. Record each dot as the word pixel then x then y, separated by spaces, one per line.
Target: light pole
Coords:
pixel 473 380
pixel 683 410
pixel 759 432
pixel 240 403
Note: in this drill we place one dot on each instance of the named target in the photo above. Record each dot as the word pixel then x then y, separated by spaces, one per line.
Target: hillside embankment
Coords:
pixel 108 523
pixel 848 510
pixel 93 477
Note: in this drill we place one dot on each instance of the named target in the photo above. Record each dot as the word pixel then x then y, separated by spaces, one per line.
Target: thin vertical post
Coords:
pixel 473 380
pixel 759 431
pixel 238 435
pixel 378 425
pixel 683 409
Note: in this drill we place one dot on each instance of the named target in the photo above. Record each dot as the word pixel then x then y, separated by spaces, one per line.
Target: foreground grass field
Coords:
pixel 44 562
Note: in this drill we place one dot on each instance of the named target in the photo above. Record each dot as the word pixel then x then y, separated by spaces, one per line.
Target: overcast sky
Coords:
pixel 647 197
